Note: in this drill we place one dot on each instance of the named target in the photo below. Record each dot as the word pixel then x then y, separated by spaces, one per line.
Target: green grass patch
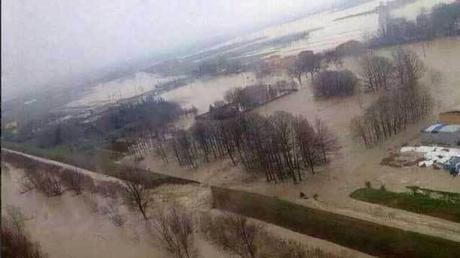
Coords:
pixel 365 236
pixel 448 209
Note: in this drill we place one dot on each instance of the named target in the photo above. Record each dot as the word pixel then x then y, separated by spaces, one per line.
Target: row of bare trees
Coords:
pixel 382 73
pixel 255 95
pixel 281 146
pixel 402 102
pixel 54 181
pixel 391 113
pixel 440 21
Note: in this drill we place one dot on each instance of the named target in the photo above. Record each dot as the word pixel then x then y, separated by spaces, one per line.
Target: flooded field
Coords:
pixel 73 226
pixel 203 93
pixel 326 30
pixel 355 164
pixel 331 28
pixel 110 92
pixel 80 225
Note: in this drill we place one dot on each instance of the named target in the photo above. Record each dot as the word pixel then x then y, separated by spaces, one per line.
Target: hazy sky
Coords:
pixel 45 40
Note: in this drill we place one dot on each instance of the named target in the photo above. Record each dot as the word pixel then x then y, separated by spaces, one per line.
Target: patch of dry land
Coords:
pixel 354 164
pixel 85 225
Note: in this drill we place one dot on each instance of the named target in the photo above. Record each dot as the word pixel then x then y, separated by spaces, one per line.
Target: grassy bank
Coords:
pixel 365 236
pixel 419 203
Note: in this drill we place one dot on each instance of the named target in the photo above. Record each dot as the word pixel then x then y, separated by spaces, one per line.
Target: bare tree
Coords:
pixel 309 62
pixel 137 196
pixel 73 180
pixel 408 67
pixel 45 183
pixel 233 233
pixel 295 72
pixel 377 72
pixel 173 228
pixel 391 113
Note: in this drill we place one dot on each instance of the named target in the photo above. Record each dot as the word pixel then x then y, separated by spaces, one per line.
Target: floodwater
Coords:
pixel 80 226
pixel 354 164
pixel 333 32
pixel 203 93
pixel 110 92
pixel 73 226
pixel 327 32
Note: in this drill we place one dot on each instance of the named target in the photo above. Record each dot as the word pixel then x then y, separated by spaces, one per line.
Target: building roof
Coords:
pixel 456 112
pixel 442 128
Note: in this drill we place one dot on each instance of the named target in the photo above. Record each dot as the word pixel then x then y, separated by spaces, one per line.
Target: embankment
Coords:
pixel 364 236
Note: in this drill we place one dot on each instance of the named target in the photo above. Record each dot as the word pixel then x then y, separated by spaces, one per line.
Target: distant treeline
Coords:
pixel 443 20
pixel 96 139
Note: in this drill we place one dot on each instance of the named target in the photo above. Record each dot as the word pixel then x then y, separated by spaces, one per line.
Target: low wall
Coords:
pixel 361 235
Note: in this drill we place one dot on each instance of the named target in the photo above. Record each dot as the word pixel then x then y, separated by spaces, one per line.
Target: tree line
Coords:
pixel 280 146
pixel 402 101
pixel 404 69
pixel 443 20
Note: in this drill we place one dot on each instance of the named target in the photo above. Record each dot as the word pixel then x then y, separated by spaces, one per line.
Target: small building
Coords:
pixel 441 134
pixel 450 117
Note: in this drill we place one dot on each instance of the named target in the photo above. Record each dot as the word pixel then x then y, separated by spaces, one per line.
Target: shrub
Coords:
pixel 368 185
pixel 334 83
pixel 15 243
pixel 173 229
pixel 45 183
pixel 73 180
pixel 233 233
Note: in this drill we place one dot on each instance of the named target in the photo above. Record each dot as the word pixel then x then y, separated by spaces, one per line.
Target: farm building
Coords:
pixel 451 117
pixel 442 134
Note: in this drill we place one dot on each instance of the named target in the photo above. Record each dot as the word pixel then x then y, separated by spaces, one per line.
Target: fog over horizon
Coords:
pixel 50 41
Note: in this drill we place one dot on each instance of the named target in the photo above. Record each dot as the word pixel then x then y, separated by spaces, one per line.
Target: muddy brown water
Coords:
pixel 354 164
pixel 80 226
